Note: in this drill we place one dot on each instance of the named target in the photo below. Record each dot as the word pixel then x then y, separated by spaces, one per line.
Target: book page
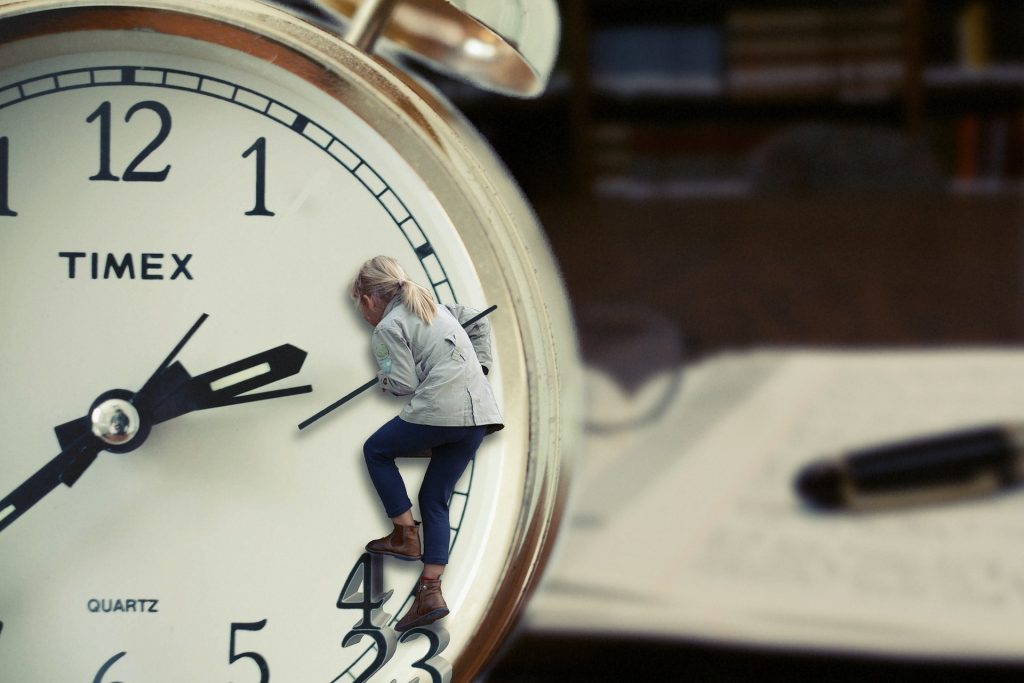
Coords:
pixel 719 546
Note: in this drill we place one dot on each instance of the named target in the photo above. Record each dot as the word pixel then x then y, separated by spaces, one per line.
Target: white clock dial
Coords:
pixel 150 176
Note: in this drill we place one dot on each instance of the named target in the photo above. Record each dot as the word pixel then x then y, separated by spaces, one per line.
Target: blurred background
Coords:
pixel 737 175
pixel 782 171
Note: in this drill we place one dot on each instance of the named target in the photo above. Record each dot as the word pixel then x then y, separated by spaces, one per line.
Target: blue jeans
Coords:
pixel 451 450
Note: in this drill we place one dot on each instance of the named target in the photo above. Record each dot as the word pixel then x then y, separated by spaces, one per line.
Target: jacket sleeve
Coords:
pixel 396 369
pixel 479 333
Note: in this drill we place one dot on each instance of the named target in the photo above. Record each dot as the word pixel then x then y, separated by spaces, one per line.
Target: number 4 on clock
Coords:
pixel 368 575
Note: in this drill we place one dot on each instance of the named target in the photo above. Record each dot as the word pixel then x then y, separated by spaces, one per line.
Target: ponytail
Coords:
pixel 418 300
pixel 383 277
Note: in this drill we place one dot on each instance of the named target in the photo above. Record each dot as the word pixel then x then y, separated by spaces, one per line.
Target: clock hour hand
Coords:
pixel 120 420
pixel 171 392
pixel 82 449
pixel 224 386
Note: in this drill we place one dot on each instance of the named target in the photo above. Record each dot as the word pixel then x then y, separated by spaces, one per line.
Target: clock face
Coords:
pixel 151 176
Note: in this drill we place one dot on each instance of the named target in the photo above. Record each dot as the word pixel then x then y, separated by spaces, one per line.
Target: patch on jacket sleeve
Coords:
pixel 383 355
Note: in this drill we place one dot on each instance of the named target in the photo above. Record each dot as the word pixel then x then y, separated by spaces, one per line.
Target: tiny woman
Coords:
pixel 423 352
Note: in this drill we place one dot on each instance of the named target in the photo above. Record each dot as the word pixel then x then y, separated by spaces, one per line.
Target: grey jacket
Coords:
pixel 441 365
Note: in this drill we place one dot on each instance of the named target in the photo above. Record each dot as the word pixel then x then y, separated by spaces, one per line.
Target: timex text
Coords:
pixel 144 266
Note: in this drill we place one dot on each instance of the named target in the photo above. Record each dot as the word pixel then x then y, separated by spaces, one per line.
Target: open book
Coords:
pixel 688 526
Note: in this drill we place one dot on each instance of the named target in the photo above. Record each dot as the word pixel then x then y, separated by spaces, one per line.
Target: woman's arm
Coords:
pixel 396 368
pixel 479 332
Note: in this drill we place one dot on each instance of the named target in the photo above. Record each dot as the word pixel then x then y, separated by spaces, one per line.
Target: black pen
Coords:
pixel 930 469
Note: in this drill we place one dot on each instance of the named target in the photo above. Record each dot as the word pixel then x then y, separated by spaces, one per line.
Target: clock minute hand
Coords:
pixel 226 385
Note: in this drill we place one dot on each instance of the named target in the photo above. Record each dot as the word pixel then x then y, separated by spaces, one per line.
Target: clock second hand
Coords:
pixel 170 392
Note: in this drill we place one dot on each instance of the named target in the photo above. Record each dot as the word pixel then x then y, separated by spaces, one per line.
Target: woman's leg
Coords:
pixel 394 439
pixel 447 464
pixel 404 519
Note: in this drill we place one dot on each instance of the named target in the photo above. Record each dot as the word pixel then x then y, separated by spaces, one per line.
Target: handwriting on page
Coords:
pixel 747 561
pixel 960 559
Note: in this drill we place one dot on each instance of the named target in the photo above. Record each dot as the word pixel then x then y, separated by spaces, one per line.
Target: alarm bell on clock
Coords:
pixel 505 46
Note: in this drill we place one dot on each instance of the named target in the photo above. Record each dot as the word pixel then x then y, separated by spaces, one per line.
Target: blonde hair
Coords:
pixel 384 278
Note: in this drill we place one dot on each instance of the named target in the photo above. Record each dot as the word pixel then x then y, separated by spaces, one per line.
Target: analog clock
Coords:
pixel 186 189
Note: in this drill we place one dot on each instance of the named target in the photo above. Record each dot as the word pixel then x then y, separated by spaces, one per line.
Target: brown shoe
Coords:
pixel 427 607
pixel 403 542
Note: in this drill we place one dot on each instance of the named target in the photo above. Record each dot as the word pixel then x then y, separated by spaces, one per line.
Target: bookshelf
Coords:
pixel 672 99
pixel 876 201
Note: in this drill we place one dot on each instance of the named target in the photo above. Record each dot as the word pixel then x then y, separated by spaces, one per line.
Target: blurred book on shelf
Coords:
pixel 977 44
pixel 844 52
pixel 974 42
pixel 673 160
pixel 721 160
pixel 986 151
pixel 656 61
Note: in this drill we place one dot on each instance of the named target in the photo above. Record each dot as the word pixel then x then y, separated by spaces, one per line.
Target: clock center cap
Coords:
pixel 115 421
